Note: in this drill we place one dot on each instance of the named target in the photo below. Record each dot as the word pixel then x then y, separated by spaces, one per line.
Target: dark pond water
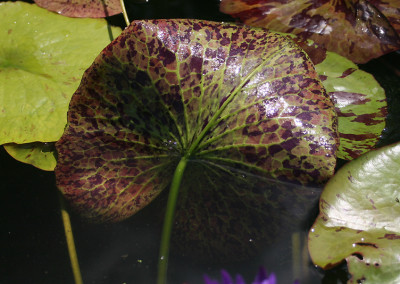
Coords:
pixel 33 247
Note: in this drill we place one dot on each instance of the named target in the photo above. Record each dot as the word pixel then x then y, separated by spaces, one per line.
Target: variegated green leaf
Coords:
pixel 360 104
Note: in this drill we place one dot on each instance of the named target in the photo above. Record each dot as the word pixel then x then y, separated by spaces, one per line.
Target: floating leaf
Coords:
pixel 82 8
pixel 391 9
pixel 360 103
pixel 353 29
pixel 40 155
pixel 215 93
pixel 42 59
pixel 359 218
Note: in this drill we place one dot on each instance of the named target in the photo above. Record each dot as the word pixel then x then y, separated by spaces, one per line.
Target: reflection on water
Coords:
pixel 225 220
pixel 230 219
pixel 125 252
pixel 224 214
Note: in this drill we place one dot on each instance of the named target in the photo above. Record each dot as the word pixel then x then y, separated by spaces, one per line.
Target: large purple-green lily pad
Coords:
pixel 356 30
pixel 220 95
pixel 359 218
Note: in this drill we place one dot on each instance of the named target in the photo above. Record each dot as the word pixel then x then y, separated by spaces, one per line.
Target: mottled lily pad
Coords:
pixel 82 8
pixel 216 94
pixel 42 58
pixel 359 218
pixel 356 30
pixel 360 104
pixel 40 155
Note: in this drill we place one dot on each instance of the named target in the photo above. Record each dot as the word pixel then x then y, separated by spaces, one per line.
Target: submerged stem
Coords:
pixel 168 221
pixel 70 242
pixel 124 13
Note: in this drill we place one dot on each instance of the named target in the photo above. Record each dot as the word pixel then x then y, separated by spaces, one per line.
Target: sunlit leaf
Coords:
pixel 354 29
pixel 82 8
pixel 218 94
pixel 42 59
pixel 40 155
pixel 360 103
pixel 359 218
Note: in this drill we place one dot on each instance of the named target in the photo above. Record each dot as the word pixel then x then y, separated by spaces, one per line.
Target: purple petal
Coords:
pixel 239 279
pixel 271 279
pixel 226 278
pixel 208 280
pixel 261 276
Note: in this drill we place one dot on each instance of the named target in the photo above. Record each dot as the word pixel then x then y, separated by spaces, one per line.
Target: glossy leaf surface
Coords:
pixel 391 10
pixel 215 93
pixel 360 218
pixel 42 59
pixel 354 29
pixel 40 155
pixel 82 8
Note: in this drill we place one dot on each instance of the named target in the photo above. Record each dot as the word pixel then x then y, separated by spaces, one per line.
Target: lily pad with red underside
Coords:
pixel 82 8
pixel 360 101
pixel 221 95
pixel 354 29
pixel 391 10
pixel 359 219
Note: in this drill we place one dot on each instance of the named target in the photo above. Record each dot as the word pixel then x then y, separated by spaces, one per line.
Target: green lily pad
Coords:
pixel 360 104
pixel 40 155
pixel 42 58
pixel 356 30
pixel 359 218
pixel 82 8
pixel 170 93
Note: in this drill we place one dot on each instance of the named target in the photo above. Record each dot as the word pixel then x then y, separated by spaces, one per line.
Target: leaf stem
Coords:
pixel 70 242
pixel 124 13
pixel 168 221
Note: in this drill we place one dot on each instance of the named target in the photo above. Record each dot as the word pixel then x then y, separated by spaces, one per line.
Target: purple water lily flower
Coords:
pixel 261 278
